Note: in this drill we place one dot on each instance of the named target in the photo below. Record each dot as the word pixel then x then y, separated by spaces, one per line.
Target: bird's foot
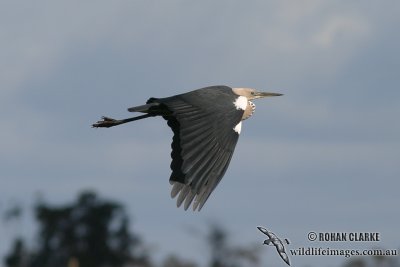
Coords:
pixel 106 122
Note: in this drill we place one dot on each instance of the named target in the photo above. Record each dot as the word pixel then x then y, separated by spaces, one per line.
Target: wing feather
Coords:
pixel 203 142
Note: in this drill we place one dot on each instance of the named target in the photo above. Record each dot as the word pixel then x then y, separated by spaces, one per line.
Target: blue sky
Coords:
pixel 324 157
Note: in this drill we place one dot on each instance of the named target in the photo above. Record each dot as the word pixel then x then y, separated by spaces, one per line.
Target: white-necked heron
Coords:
pixel 206 124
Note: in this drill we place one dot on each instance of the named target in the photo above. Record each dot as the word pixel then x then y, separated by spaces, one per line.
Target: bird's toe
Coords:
pixel 105 122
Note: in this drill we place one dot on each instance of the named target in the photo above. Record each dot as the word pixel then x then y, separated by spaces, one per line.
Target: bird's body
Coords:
pixel 206 124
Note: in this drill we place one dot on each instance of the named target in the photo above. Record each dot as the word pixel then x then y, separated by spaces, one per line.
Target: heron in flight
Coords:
pixel 206 124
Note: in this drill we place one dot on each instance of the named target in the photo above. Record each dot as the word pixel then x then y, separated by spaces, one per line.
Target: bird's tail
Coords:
pixel 143 108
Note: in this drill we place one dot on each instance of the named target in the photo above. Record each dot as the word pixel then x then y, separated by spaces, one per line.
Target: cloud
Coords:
pixel 339 29
pixel 40 35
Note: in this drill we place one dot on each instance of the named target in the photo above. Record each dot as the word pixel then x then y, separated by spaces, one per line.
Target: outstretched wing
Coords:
pixel 203 123
pixel 284 257
pixel 264 231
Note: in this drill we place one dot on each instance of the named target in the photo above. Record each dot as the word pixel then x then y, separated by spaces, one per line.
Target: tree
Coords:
pixel 175 261
pixel 373 261
pixel 90 232
pixel 18 256
pixel 225 255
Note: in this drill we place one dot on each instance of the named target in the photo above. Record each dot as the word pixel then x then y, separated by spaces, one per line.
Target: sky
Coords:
pixel 324 157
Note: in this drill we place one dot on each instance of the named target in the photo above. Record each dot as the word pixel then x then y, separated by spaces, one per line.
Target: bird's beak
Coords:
pixel 266 94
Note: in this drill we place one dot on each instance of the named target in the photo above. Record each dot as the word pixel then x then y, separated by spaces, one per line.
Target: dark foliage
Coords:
pixel 223 254
pixel 92 232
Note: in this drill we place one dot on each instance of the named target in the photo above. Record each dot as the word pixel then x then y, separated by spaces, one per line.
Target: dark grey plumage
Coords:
pixel 203 142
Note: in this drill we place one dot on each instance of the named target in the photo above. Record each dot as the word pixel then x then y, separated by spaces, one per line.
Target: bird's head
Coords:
pixel 267 242
pixel 251 94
